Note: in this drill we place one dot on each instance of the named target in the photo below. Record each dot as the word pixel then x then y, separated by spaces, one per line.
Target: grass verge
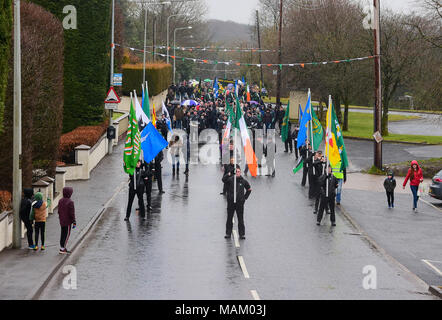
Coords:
pixel 429 167
pixel 361 126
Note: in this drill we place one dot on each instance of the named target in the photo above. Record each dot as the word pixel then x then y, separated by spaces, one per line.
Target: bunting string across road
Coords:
pixel 237 63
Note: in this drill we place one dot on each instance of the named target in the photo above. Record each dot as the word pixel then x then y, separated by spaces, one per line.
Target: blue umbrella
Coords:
pixel 191 103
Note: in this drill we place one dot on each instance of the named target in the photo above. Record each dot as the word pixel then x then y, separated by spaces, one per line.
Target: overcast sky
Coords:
pixel 241 10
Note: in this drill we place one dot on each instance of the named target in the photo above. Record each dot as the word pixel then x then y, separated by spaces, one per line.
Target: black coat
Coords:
pixel 332 185
pixel 243 189
pixel 390 184
pixel 26 204
pixel 139 174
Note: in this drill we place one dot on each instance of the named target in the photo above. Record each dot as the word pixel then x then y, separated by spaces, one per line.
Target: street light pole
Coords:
pixel 174 50
pixel 17 145
pixel 144 46
pixel 168 20
pixel 145 36
pixel 278 85
pixel 111 143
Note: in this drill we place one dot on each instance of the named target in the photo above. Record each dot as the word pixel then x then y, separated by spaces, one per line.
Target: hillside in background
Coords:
pixel 229 31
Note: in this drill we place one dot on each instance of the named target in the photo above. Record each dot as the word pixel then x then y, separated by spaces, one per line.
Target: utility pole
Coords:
pixel 154 31
pixel 278 85
pixel 16 158
pixel 259 47
pixel 378 88
pixel 111 143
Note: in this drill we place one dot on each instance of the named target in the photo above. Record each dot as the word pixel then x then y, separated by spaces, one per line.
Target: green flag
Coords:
pixel 299 165
pixel 285 124
pixel 146 103
pixel 238 114
pixel 318 131
pixel 132 148
pixel 336 129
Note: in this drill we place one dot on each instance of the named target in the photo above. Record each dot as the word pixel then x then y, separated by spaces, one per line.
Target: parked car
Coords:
pixel 436 188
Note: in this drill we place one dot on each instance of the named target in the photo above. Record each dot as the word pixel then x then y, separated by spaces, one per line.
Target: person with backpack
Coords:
pixel 390 185
pixel 66 215
pixel 38 213
pixel 416 177
pixel 25 210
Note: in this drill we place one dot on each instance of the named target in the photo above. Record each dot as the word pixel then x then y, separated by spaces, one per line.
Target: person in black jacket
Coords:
pixel 228 168
pixel 295 140
pixel 318 171
pixel 136 187
pixel 305 152
pixel 289 142
pixel 243 191
pixel 149 172
pixel 328 183
pixel 25 210
pixel 390 185
pixel 158 171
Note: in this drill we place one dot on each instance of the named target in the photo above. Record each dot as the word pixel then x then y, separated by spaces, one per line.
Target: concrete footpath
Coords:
pixel 23 271
pixel 412 238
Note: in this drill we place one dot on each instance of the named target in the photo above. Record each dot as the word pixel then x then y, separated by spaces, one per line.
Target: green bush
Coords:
pixel 158 76
pixel 42 96
pixel 5 42
pixel 87 61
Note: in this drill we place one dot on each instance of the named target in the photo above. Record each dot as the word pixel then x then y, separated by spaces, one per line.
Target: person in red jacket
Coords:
pixel 66 214
pixel 416 177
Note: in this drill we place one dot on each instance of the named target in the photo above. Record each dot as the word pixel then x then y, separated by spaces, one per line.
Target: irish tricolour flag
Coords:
pixel 251 159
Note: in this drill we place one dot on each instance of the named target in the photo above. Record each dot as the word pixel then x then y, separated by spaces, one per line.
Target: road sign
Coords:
pixel 118 79
pixel 378 137
pixel 111 106
pixel 112 97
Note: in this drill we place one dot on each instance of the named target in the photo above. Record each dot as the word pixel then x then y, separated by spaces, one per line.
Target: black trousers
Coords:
pixel 148 189
pixel 312 182
pixel 159 177
pixel 304 175
pixel 64 236
pixel 330 202
pixel 390 198
pixel 239 208
pixel 139 192
pixel 40 228
pixel 288 143
pixel 296 150
pixel 29 231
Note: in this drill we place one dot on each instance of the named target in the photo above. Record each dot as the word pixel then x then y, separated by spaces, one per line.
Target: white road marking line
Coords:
pixel 243 267
pixel 235 237
pixel 432 266
pixel 255 295
pixel 430 204
pixel 233 220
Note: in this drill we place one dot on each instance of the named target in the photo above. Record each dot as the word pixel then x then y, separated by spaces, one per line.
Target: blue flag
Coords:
pixel 300 111
pixel 216 89
pixel 306 117
pixel 152 142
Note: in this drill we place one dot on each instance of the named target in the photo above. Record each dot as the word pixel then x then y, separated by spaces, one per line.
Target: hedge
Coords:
pixel 86 69
pixel 42 96
pixel 158 76
pixel 5 201
pixel 5 43
pixel 88 135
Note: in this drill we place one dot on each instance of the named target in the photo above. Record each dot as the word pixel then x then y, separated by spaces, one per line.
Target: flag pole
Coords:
pixel 234 151
pixel 131 103
pixel 327 142
pixel 311 121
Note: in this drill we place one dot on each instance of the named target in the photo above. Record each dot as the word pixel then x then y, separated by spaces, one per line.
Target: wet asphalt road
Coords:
pixel 180 252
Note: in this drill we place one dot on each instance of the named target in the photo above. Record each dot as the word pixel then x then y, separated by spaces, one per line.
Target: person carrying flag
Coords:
pixel 243 191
